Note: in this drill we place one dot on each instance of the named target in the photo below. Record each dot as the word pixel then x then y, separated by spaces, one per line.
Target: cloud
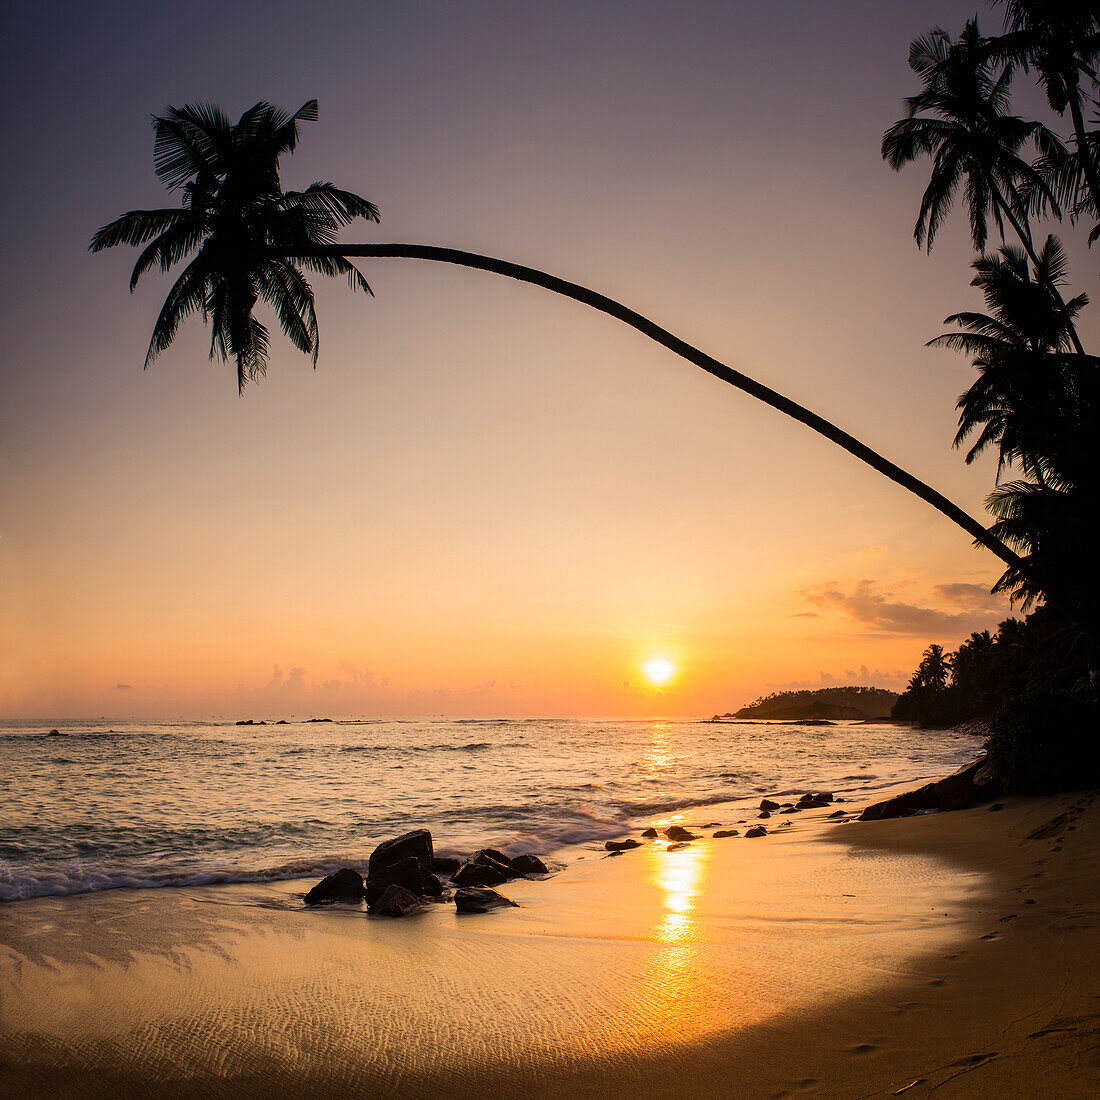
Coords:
pixel 121 687
pixel 869 605
pixel 862 676
pixel 869 552
pixel 804 615
pixel 358 691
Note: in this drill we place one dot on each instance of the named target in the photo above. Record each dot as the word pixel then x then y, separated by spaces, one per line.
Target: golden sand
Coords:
pixel 839 960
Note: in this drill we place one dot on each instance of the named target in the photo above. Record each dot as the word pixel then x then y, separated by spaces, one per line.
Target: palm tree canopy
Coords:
pixel 1060 39
pixel 1028 395
pixel 960 121
pixel 250 238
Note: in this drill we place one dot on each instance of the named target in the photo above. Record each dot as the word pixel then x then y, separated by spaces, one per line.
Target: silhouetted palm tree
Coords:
pixel 1025 399
pixel 959 120
pixel 1060 40
pixel 251 235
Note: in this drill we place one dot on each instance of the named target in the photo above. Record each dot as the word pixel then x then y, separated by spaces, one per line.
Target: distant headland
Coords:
pixel 821 703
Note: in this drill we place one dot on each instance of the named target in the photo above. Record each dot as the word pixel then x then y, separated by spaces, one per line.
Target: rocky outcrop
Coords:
pixel 528 865
pixel 651 833
pixel 418 843
pixel 768 804
pixel 395 901
pixel 343 885
pixel 445 865
pixel 969 786
pixel 480 900
pixel 484 868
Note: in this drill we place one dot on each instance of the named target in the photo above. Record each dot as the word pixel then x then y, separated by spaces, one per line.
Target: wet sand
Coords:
pixel 834 960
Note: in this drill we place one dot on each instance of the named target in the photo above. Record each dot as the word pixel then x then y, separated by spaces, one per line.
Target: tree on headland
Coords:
pixel 251 239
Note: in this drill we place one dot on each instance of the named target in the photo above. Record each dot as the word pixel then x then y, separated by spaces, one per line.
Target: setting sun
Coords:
pixel 659 670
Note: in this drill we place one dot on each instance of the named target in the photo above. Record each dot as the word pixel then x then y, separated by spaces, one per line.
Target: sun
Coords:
pixel 659 670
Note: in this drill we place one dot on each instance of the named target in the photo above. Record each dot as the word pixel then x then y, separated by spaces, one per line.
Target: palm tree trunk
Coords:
pixel 1091 177
pixel 693 355
pixel 1025 239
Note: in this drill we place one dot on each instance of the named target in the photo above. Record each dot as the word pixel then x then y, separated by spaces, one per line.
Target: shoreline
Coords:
pixel 731 968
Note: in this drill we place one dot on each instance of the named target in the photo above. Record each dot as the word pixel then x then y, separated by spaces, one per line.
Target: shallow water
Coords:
pixel 111 804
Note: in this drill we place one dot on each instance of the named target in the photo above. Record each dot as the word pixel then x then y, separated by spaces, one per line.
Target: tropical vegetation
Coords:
pixel 1035 403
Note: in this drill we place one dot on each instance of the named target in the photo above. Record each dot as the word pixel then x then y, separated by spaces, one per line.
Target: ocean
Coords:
pixel 128 804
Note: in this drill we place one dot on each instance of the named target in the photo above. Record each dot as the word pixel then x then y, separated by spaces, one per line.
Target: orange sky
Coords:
pixel 487 500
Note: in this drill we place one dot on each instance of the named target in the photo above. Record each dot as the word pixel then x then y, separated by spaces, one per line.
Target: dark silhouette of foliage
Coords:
pixel 251 238
pixel 1043 652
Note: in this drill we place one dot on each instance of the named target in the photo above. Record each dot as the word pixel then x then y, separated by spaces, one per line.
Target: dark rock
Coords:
pixel 529 865
pixel 711 825
pixel 996 806
pixel 282 722
pixel 768 804
pixel 431 886
pixel 417 843
pixel 651 833
pixel 838 813
pixel 494 854
pixel 343 885
pixel 764 814
pixel 970 785
pixel 755 831
pixel 839 799
pixel 677 832
pixel 245 722
pixel 725 832
pixel 394 901
pixel 406 872
pixel 482 869
pixel 902 805
pixel 445 865
pixel 815 799
pixel 617 852
pixel 480 900
pixel 680 844
pixel 621 845
pixel 55 733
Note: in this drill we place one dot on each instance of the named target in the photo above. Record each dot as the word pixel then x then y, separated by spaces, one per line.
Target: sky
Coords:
pixel 486 500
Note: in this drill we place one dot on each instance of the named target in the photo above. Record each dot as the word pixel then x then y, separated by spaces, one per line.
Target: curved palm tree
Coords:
pixel 251 237
pixel 1025 399
pixel 1060 39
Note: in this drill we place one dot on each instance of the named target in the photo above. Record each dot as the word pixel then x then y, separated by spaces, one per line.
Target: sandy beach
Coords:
pixel 948 954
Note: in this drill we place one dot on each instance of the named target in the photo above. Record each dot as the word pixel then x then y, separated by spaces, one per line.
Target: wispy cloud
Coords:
pixel 971 607
pixel 869 553
pixel 862 676
pixel 122 687
pixel 358 691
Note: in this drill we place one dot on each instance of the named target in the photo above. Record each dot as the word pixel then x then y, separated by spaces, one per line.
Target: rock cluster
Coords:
pixel 969 786
pixel 404 873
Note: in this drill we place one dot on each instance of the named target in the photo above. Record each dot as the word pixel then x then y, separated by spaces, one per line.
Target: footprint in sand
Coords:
pixel 906 1006
pixel 936 981
pixel 991 936
pixel 1011 916
pixel 863 1048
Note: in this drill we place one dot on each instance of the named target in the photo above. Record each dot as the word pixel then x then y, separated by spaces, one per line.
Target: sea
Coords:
pixel 103 805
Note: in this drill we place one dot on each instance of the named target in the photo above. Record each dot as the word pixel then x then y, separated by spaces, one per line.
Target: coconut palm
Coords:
pixel 1060 40
pixel 935 667
pixel 1025 399
pixel 243 229
pixel 960 121
pixel 252 238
